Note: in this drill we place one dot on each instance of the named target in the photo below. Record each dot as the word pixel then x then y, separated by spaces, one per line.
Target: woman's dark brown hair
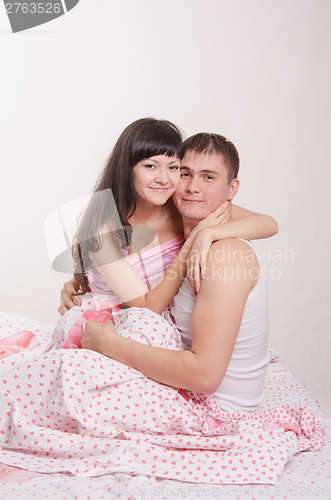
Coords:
pixel 114 196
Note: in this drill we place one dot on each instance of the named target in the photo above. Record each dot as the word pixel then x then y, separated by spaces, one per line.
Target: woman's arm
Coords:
pixel 243 224
pixel 125 281
pixel 254 225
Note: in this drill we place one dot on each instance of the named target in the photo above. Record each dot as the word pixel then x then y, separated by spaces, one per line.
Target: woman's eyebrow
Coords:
pixel 157 161
pixel 151 159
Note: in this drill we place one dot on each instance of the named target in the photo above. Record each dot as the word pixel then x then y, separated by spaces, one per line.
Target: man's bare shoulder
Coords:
pixel 232 262
pixel 234 250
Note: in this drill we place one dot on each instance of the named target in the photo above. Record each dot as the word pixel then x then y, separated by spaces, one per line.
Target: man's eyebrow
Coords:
pixel 207 171
pixel 204 171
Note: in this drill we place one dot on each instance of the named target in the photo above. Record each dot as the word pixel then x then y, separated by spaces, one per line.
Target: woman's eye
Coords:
pixel 174 167
pixel 149 165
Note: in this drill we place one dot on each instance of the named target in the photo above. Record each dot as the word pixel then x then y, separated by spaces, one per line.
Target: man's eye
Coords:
pixel 184 174
pixel 209 177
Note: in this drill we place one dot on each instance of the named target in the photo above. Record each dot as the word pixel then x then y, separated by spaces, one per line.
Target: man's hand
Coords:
pixel 99 336
pixel 69 297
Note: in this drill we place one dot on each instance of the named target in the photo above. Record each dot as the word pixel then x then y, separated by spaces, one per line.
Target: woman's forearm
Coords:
pixel 250 227
pixel 158 297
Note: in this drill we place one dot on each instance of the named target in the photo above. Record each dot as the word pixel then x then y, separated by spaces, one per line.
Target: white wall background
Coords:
pixel 257 71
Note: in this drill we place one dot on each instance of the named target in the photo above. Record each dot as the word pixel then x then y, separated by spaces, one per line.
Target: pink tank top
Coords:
pixel 150 265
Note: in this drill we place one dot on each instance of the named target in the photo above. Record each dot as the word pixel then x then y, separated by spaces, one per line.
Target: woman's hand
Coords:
pixel 69 297
pixel 196 263
pixel 219 216
pixel 99 337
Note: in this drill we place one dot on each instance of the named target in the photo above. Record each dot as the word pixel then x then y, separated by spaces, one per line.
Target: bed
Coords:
pixel 307 474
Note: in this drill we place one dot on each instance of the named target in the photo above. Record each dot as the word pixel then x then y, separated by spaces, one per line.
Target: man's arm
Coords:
pixel 215 324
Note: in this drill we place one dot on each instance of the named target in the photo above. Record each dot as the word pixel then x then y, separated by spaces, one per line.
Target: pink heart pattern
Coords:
pixel 80 412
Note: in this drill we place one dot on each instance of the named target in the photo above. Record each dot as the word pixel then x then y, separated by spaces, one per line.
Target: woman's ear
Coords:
pixel 233 190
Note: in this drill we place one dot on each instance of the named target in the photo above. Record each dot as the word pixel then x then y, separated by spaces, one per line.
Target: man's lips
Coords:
pixel 191 200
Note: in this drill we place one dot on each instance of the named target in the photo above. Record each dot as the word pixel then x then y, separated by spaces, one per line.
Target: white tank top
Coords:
pixel 242 387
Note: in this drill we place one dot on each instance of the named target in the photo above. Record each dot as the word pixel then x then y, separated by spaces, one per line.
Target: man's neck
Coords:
pixel 188 225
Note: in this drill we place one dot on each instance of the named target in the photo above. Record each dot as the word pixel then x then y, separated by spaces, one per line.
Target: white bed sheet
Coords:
pixel 307 475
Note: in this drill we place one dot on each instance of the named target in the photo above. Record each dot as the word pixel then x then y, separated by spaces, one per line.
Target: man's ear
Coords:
pixel 233 190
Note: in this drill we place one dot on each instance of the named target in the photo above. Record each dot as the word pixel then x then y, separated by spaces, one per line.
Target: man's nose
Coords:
pixel 193 185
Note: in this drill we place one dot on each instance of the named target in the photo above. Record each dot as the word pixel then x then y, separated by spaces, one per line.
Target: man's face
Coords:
pixel 203 185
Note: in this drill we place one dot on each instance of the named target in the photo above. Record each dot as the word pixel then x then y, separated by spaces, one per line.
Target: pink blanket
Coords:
pixel 75 410
pixel 17 342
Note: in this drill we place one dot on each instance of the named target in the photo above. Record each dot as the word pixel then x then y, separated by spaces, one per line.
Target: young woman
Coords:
pixel 131 204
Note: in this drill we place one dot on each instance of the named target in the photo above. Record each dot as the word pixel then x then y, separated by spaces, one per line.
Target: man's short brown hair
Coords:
pixel 209 144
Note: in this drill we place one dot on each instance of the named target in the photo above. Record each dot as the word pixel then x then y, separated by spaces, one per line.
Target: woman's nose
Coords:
pixel 162 176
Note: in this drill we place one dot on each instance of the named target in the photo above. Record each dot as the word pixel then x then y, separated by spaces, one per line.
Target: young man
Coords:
pixel 224 326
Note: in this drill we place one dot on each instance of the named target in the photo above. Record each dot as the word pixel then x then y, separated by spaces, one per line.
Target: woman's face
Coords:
pixel 156 179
